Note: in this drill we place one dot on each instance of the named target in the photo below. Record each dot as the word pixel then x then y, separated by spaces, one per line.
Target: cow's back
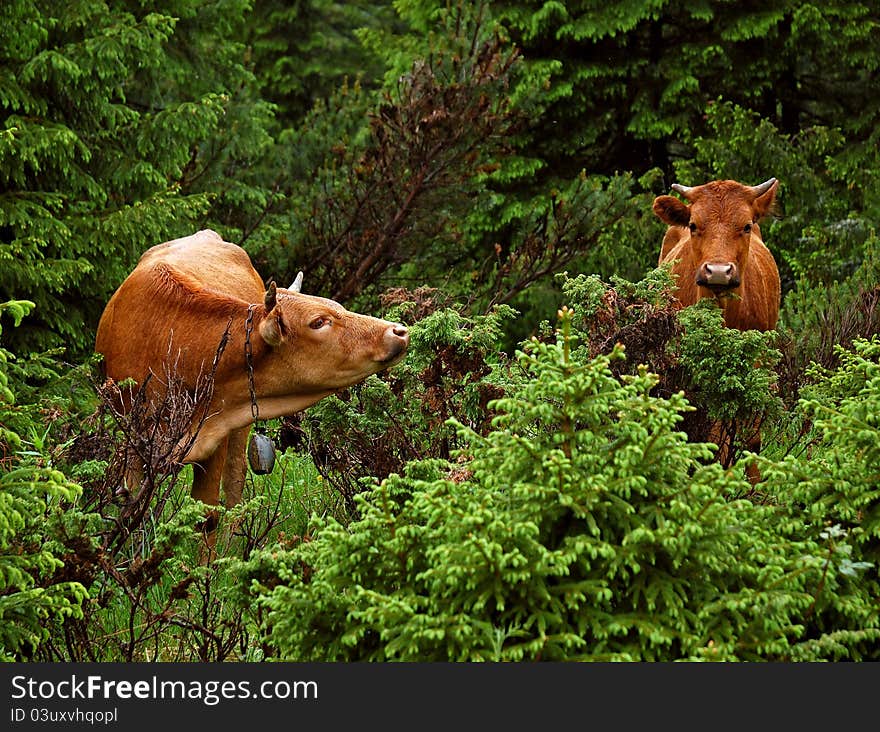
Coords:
pixel 174 307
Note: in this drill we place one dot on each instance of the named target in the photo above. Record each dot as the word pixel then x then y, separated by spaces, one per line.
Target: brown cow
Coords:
pixel 716 251
pixel 170 314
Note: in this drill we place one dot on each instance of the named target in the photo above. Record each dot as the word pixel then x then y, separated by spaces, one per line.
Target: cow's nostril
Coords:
pixel 396 341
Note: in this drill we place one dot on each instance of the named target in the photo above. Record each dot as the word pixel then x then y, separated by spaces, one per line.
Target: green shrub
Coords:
pixel 731 371
pixel 727 375
pixel 831 491
pixel 818 319
pixel 454 367
pixel 31 496
pixel 584 526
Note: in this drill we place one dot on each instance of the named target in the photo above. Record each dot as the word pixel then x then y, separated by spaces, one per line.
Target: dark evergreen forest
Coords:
pixel 536 481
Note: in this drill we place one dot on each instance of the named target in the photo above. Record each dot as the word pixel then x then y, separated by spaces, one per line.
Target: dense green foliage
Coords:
pixel 31 496
pixel 454 368
pixel 468 168
pixel 116 136
pixel 583 526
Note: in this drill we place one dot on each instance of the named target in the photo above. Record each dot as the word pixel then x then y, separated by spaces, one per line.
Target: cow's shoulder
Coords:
pixel 206 238
pixel 674 244
pixel 762 261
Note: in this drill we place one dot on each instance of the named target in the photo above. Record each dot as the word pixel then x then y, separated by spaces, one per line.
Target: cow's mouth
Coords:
pixel 393 359
pixel 719 289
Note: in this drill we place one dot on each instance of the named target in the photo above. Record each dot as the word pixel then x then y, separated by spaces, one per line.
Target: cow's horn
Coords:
pixel 271 296
pixel 760 190
pixel 297 283
pixel 685 191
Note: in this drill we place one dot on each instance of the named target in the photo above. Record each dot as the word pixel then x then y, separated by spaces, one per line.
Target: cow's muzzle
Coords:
pixel 718 276
pixel 396 341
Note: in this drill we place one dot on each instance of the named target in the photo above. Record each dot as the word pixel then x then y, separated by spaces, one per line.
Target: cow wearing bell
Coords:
pixel 170 315
pixel 716 250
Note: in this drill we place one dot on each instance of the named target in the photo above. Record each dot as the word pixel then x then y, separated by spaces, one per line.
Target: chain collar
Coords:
pixel 249 360
pixel 261 451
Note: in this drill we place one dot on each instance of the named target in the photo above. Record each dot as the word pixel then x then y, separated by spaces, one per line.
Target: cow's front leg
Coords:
pixel 234 472
pixel 235 468
pixel 206 488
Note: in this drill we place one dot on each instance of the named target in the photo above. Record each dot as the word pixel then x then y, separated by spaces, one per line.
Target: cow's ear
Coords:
pixel 672 211
pixel 272 329
pixel 765 203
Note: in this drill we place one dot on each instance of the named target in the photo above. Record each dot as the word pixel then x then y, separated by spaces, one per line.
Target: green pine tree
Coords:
pixel 583 527
pixel 119 128
pixel 31 494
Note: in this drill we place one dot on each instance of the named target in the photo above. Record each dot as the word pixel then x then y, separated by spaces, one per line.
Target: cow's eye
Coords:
pixel 319 323
pixel 693 227
pixel 747 228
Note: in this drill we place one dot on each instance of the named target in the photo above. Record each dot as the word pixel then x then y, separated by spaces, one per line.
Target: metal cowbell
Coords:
pixel 261 453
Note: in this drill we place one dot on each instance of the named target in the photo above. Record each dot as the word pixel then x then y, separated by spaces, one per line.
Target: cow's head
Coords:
pixel 323 346
pixel 719 219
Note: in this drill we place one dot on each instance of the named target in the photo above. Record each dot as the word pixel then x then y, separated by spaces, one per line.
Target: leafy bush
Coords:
pixel 31 496
pixel 108 571
pixel 818 320
pixel 454 367
pixel 832 492
pixel 584 526
pixel 727 375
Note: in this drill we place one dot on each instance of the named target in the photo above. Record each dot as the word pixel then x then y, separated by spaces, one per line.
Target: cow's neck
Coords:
pixel 226 416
